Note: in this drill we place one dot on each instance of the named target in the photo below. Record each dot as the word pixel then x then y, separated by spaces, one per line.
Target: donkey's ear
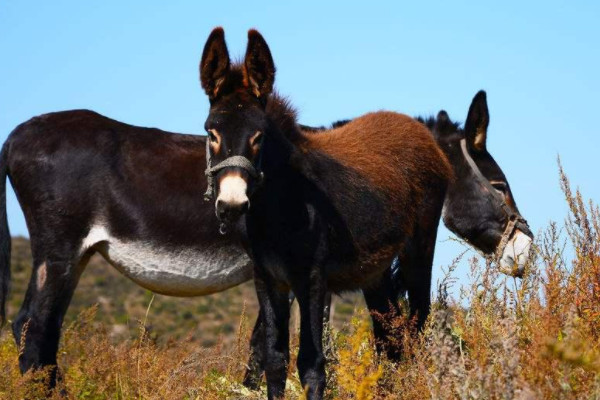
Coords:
pixel 442 122
pixel 443 125
pixel 259 69
pixel 214 65
pixel 477 122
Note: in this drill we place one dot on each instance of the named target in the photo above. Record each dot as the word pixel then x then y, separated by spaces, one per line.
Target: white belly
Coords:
pixel 179 271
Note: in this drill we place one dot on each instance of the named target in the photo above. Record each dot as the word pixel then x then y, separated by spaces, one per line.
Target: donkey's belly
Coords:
pixel 362 273
pixel 176 271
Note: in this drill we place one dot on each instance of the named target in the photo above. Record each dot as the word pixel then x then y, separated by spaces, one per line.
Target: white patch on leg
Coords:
pixel 516 253
pixel 41 276
pixel 232 190
pixel 176 271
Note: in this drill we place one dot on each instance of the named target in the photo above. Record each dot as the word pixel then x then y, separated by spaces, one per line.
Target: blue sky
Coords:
pixel 138 62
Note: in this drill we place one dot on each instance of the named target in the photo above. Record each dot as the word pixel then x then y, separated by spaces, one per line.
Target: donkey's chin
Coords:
pixel 515 255
pixel 230 213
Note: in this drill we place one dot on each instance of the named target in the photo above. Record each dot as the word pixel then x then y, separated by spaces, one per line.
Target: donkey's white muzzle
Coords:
pixel 516 254
pixel 233 199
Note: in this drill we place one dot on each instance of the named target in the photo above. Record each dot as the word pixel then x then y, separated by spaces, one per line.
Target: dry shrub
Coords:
pixel 95 368
pixel 501 338
pixel 355 369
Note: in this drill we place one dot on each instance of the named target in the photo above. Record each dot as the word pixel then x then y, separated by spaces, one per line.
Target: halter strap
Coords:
pixel 515 220
pixel 233 161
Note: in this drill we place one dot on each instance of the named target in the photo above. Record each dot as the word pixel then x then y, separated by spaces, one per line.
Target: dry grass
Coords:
pixel 538 338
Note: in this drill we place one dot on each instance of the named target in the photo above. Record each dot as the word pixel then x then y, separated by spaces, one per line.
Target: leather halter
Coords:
pixel 515 220
pixel 233 161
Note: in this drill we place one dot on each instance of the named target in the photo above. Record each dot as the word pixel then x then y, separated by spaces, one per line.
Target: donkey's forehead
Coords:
pixel 235 102
pixel 235 115
pixel 222 115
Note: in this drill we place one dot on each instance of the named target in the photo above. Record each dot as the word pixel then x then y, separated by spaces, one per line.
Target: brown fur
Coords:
pixel 391 150
pixel 377 145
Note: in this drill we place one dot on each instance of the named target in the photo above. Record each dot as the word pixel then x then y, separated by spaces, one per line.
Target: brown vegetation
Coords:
pixel 500 338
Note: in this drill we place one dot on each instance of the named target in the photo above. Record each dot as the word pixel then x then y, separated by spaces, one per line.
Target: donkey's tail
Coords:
pixel 4 235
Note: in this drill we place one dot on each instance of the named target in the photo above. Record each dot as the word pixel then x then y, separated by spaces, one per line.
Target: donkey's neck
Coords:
pixel 283 135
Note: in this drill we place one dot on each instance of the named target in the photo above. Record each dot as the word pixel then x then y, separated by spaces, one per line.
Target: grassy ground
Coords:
pixel 500 338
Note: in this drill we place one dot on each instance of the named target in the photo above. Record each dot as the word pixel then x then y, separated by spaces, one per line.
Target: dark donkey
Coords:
pixel 323 212
pixel 90 184
pixel 479 205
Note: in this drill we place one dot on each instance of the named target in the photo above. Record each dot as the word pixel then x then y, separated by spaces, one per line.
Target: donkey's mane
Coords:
pixel 430 122
pixel 281 114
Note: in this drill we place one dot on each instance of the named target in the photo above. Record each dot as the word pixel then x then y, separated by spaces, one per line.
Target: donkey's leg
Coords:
pixel 37 326
pixel 382 302
pixel 256 362
pixel 417 260
pixel 275 310
pixel 417 277
pixel 311 294
pixel 327 308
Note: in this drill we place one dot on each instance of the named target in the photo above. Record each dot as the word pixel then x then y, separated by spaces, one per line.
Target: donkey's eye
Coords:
pixel 255 140
pixel 499 186
pixel 212 136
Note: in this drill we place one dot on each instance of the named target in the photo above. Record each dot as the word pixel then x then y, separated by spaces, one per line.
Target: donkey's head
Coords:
pixel 236 121
pixel 479 205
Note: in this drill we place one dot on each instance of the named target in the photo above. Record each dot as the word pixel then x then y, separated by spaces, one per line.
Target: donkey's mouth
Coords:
pixel 228 218
pixel 229 213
